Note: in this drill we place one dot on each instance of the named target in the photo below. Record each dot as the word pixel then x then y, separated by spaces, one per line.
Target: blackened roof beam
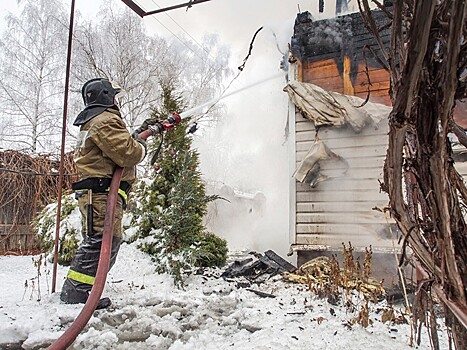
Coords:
pixel 142 13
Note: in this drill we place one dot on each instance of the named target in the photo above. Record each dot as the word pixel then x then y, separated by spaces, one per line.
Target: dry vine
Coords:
pixel 28 184
pixel 427 61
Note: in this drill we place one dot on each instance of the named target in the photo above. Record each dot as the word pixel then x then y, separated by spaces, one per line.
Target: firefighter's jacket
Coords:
pixel 105 142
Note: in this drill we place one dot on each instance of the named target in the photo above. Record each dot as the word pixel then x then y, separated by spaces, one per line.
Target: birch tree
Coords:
pixel 204 67
pixel 114 45
pixel 117 47
pixel 32 61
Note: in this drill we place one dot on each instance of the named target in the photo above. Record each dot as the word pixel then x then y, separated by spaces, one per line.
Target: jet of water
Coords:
pixel 193 110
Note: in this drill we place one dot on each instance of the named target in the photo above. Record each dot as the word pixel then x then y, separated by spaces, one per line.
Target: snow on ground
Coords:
pixel 149 312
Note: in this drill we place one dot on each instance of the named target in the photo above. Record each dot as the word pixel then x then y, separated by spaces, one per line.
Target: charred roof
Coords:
pixel 316 40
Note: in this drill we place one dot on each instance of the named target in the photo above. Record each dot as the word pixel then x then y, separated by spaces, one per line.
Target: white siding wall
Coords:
pixel 461 166
pixel 340 209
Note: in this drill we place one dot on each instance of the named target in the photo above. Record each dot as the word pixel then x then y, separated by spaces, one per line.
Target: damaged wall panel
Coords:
pixel 336 55
pixel 341 208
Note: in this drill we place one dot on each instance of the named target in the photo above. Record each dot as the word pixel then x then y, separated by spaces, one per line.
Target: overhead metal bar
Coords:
pixel 140 12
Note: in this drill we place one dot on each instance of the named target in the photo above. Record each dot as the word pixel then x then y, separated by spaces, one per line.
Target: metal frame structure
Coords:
pixel 142 13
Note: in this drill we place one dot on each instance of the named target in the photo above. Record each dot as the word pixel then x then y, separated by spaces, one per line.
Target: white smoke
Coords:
pixel 247 152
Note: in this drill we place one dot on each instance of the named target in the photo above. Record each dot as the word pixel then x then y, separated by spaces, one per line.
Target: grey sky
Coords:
pixel 234 20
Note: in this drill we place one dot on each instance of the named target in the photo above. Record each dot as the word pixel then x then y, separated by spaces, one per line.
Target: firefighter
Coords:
pixel 103 143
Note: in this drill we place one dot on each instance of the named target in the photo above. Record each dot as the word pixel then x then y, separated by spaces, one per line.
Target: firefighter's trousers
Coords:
pixel 83 268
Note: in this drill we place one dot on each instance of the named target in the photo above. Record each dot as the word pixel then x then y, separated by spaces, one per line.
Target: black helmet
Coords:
pixel 100 92
pixel 98 95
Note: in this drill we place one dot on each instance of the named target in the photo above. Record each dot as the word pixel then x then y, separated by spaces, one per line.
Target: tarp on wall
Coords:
pixel 326 108
pixel 309 169
pixel 331 108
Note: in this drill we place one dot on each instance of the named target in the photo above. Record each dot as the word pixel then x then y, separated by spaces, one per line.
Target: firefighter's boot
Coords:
pixel 83 269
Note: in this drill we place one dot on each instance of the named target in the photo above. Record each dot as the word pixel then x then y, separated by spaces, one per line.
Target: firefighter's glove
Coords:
pixel 148 122
pixel 138 138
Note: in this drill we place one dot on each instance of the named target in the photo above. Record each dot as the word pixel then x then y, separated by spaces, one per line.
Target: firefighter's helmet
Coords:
pixel 100 92
pixel 98 95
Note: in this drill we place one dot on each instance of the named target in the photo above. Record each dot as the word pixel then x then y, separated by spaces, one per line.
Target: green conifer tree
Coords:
pixel 171 207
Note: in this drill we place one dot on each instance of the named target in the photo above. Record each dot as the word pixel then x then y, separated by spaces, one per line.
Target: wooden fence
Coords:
pixel 29 182
pixel 18 239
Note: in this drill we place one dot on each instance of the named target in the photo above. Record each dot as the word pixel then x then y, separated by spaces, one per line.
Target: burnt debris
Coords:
pixel 258 268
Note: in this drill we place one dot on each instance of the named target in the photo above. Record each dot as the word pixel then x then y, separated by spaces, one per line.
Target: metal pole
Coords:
pixel 62 152
pixel 138 10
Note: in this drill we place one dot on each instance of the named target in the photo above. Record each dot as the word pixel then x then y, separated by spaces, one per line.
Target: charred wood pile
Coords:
pixel 258 267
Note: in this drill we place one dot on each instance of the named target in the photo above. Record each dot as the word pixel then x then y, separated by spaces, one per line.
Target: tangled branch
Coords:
pixel 28 184
pixel 426 54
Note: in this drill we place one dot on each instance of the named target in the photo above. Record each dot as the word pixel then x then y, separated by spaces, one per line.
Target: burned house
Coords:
pixel 340 141
pixel 338 158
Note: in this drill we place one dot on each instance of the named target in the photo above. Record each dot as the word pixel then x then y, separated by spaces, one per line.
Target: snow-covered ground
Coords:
pixel 149 312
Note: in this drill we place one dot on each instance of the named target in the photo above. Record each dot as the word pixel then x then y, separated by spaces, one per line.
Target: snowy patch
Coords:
pixel 148 311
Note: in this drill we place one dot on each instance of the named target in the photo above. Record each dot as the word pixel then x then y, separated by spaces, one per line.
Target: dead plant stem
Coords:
pixel 401 275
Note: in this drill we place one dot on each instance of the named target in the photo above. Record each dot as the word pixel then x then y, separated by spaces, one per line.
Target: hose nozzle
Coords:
pixel 171 121
pixel 160 126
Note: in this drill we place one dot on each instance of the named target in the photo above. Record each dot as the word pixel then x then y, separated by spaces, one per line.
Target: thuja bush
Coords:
pixel 170 204
pixel 210 250
pixel 169 218
pixel 70 229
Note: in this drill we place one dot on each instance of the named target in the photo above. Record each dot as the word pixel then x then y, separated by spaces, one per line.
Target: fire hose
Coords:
pixel 69 336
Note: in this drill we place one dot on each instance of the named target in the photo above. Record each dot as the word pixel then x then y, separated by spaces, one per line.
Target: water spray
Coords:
pixel 212 102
